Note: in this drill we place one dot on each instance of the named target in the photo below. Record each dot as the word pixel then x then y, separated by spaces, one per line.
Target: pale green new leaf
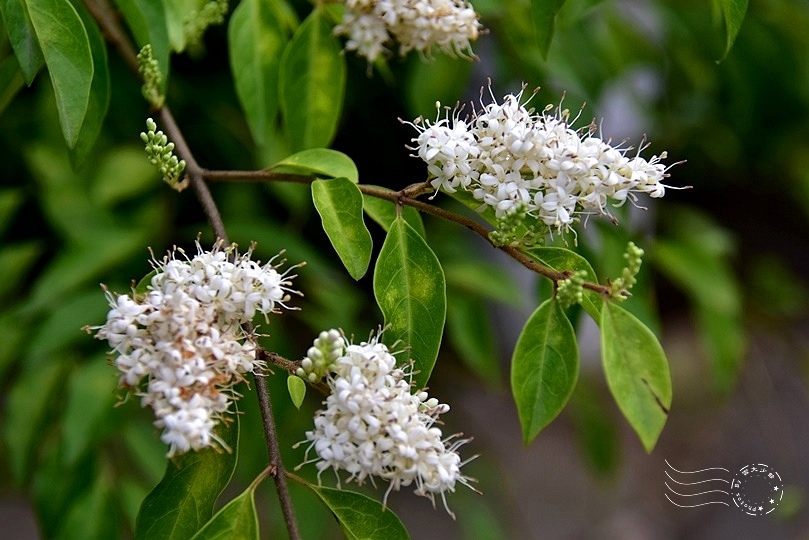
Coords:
pixel 410 289
pixel 322 162
pixel 183 501
pixel 561 260
pixel 22 37
pixel 361 517
pixel 733 12
pixel 313 78
pixel 543 14
pixel 256 39
pixel 637 372
pixel 297 390
pixel 66 48
pixel 544 368
pixel 339 203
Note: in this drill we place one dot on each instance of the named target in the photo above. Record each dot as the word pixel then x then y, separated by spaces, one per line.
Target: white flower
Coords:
pixel 181 347
pixel 372 426
pixel 371 25
pixel 510 157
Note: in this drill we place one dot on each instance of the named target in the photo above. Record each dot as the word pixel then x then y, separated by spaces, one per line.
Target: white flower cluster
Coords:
pixel 510 157
pixel 372 426
pixel 184 337
pixel 371 25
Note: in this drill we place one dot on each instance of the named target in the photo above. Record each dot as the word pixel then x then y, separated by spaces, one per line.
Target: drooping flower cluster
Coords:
pixel 183 336
pixel 372 25
pixel 373 426
pixel 509 157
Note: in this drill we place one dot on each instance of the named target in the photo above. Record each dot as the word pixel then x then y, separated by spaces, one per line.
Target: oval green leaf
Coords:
pixel 256 39
pixel 383 212
pixel 313 78
pixel 544 368
pixel 66 48
pixel 237 520
pixel 339 203
pixel 323 162
pixel 637 372
pixel 183 501
pixel 22 37
pixel 410 289
pixel 297 390
pixel 361 517
pixel 561 260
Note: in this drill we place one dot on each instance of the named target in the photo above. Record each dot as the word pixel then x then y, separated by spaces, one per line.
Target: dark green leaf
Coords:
pixel 543 13
pixel 121 175
pixel 183 501
pixel 384 213
pixel 99 100
pixel 361 517
pixel 11 81
pixel 319 162
pixel 66 48
pixel 313 77
pixel 544 368
pixel 10 201
pixel 410 290
pixel 733 12
pixel 339 203
pixel 442 79
pixel 561 260
pixel 637 372
pixel 22 36
pixel 147 20
pixel 16 261
pixel 483 279
pixel 237 520
pixel 297 390
pixel 91 516
pixel 256 40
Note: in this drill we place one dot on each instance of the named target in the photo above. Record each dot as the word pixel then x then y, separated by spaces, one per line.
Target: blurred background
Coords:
pixel 724 284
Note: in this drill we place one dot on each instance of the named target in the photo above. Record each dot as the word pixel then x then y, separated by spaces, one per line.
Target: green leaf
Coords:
pixel 637 372
pixel 339 203
pixel 319 162
pixel 483 279
pixel 22 37
pixel 297 390
pixel 99 99
pixel 90 396
pixel 442 79
pixel 183 501
pixel 361 517
pixel 544 368
pixel 11 199
pixel 16 261
pixel 256 39
pixel 237 520
pixel 543 14
pixel 733 12
pixel 176 13
pixel 384 213
pixel 92 515
pixel 147 20
pixel 313 78
pixel 66 48
pixel 410 289
pixel 561 260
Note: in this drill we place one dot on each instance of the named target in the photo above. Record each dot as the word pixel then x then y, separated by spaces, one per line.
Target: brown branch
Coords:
pixel 109 23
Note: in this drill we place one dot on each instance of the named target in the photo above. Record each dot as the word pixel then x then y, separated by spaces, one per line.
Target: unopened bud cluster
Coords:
pixel 570 291
pixel 180 345
pixel 152 79
pixel 619 287
pixel 373 25
pixel 506 155
pixel 161 153
pixel 373 426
